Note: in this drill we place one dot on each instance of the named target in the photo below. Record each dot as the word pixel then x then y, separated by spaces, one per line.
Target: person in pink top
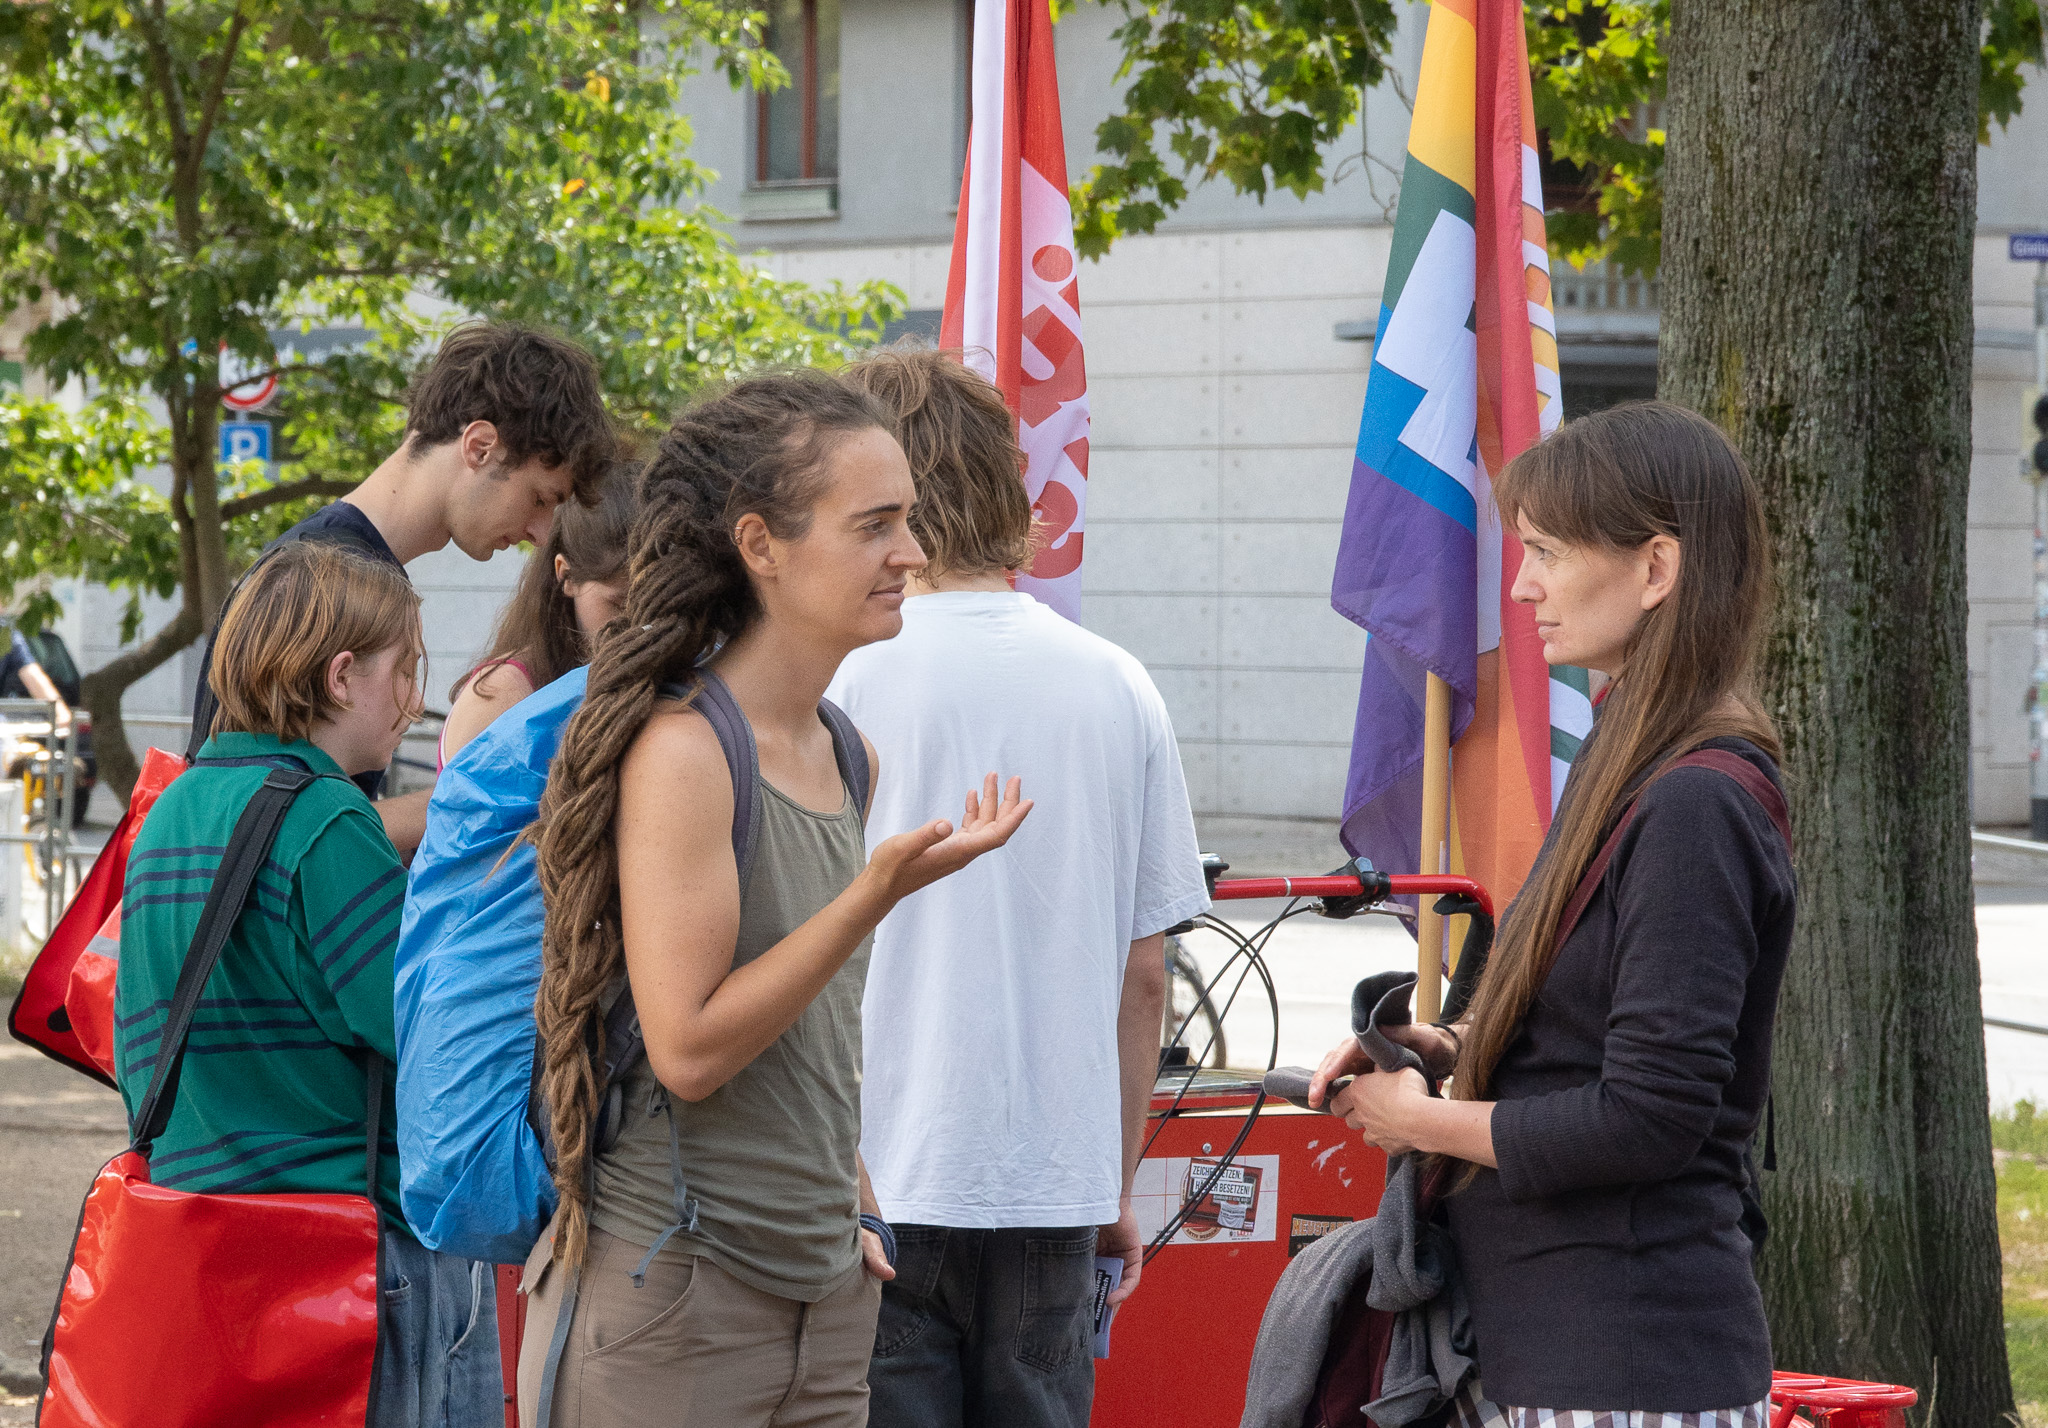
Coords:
pixel 571 588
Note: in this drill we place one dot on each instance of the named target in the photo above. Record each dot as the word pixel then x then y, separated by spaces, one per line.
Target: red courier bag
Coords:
pixel 187 1310
pixel 66 1005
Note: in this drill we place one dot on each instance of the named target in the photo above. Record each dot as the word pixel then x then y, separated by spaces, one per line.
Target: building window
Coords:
pixel 796 128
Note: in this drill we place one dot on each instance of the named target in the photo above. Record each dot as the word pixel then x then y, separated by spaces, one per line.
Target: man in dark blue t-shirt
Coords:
pixel 504 425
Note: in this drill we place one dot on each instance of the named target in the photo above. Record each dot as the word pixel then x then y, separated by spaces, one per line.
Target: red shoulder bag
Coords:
pixel 195 1311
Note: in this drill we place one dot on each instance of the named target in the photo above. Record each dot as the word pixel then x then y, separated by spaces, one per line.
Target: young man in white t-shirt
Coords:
pixel 1013 1012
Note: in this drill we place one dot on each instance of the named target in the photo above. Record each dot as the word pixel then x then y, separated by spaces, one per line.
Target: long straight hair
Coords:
pixel 538 627
pixel 1611 481
pixel 760 448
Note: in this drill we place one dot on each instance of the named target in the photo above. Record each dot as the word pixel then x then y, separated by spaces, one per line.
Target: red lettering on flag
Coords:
pixel 1057 344
pixel 1055 511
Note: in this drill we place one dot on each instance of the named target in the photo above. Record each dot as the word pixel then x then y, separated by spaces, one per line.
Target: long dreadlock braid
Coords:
pixel 761 447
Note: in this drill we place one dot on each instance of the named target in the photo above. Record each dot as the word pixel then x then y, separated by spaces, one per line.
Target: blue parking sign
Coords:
pixel 244 441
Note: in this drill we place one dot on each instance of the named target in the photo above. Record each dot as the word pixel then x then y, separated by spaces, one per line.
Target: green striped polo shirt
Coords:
pixel 271 1095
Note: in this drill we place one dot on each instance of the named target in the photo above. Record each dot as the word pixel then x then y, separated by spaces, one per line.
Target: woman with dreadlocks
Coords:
pixel 710 1264
pixel 1616 1061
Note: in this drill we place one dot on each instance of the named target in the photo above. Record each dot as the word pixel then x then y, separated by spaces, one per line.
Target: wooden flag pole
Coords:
pixel 1436 787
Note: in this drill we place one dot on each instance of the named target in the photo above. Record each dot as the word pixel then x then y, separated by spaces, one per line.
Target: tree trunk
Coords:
pixel 1820 204
pixel 101 693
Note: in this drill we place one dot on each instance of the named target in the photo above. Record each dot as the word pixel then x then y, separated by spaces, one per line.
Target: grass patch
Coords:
pixel 2021 1137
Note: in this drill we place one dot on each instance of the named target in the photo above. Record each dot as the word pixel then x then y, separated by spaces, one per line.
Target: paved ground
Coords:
pixel 56 1129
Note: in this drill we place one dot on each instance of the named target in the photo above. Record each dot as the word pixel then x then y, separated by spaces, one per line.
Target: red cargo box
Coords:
pixel 1182 1345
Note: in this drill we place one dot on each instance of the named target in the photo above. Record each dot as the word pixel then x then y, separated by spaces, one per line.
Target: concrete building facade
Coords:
pixel 1227 356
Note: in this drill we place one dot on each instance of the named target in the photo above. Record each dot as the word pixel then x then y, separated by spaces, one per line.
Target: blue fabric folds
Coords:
pixel 475 1181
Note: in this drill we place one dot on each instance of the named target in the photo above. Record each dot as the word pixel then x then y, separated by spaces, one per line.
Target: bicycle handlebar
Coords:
pixel 1374 887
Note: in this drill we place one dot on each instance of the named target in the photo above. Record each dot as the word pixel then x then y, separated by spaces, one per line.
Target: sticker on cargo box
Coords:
pixel 1236 1202
pixel 1305 1230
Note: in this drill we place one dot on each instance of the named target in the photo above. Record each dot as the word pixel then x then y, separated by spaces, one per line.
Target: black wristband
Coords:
pixel 1457 1041
pixel 888 1236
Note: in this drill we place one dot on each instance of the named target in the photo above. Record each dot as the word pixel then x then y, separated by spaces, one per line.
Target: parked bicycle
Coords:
pixel 1193 1034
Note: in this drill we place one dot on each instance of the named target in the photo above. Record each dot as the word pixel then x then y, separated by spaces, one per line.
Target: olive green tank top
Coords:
pixel 770 1155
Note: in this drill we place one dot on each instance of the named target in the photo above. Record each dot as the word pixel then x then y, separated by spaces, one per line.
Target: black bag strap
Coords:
pixel 623 1043
pixel 1746 774
pixel 248 846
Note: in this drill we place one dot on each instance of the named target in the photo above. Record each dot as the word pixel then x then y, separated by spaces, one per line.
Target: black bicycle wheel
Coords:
pixel 1190 1012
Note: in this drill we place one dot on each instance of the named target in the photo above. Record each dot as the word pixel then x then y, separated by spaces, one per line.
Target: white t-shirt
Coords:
pixel 990 1096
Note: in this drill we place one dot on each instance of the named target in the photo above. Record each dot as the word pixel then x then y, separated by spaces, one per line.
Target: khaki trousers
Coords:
pixel 695 1348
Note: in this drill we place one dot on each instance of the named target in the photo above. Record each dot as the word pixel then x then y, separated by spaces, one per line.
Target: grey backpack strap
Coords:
pixel 679 1193
pixel 852 752
pixel 736 736
pixel 623 1044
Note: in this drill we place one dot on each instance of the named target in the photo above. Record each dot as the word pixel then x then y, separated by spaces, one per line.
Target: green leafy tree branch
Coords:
pixel 191 191
pixel 1258 93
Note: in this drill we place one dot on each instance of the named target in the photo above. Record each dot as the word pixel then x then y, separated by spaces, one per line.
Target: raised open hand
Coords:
pixel 916 859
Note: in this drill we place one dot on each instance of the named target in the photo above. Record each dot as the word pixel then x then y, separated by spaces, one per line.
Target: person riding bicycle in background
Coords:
pixel 773 541
pixel 574 583
pixel 1013 1011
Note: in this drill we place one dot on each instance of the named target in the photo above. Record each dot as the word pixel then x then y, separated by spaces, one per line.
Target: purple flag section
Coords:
pixel 1406 571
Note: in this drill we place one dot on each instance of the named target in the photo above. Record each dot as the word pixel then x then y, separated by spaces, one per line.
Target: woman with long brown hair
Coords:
pixel 572 587
pixel 720 1271
pixel 1611 1075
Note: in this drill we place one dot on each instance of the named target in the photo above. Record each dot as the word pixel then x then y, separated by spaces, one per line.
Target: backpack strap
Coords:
pixel 624 1043
pixel 1745 773
pixel 742 757
pixel 851 751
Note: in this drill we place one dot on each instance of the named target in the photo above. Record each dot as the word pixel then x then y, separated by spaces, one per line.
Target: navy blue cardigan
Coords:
pixel 1605 1259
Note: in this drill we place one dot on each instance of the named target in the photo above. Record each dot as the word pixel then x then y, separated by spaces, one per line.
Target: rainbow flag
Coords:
pixel 1464 377
pixel 1013 294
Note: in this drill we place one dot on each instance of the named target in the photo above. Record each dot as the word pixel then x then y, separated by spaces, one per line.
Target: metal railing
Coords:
pixel 55 851
pixel 1602 287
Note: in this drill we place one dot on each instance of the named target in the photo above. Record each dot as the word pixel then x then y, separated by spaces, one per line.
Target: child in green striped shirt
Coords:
pixel 316 668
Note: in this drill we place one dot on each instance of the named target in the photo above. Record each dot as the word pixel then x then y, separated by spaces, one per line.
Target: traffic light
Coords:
pixel 2034 435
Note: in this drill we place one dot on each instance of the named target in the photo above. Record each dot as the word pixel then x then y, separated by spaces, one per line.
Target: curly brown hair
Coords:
pixel 760 448
pixel 542 392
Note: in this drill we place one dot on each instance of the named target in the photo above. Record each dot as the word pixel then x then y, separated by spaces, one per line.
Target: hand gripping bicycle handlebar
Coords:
pixel 1345 894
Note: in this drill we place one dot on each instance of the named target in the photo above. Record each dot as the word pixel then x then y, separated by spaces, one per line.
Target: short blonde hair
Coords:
pixel 302 605
pixel 972 516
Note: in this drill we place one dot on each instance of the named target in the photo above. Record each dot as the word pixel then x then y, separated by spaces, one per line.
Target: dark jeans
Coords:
pixel 437 1346
pixel 989 1328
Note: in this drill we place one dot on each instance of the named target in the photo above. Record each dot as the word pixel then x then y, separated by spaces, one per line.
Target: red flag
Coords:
pixel 1013 298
